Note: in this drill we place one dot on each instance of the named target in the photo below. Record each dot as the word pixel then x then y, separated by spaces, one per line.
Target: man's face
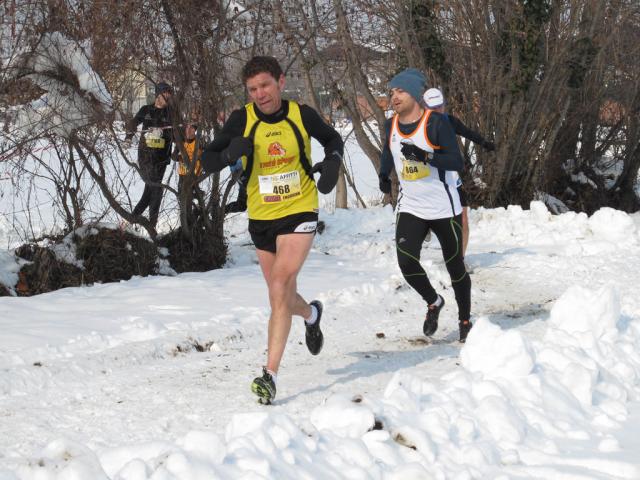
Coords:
pixel 401 101
pixel 190 132
pixel 266 92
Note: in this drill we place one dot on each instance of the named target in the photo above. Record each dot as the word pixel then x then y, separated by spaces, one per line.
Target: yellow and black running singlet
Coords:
pixel 278 184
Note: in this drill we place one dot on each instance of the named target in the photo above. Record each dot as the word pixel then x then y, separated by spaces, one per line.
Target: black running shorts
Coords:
pixel 264 232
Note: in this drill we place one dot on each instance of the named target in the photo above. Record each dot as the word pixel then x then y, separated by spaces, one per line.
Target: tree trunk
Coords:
pixel 341 190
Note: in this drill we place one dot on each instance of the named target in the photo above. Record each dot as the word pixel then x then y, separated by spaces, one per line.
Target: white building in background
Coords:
pixel 135 90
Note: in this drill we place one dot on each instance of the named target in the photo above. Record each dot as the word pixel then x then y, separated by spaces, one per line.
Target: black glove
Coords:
pixel 488 146
pixel 384 183
pixel 415 154
pixel 238 147
pixel 329 169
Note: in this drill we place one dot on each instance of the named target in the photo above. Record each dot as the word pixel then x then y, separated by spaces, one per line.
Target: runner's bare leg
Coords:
pixel 465 230
pixel 280 271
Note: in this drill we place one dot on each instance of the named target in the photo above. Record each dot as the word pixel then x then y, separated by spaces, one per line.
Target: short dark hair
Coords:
pixel 261 64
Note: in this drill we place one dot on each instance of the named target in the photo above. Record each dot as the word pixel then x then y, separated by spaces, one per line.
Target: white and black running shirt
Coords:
pixel 426 191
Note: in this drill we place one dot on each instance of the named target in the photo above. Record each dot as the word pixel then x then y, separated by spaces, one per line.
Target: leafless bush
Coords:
pixel 555 84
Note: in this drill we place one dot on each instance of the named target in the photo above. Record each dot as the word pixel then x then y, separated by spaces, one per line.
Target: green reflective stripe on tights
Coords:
pixel 413 258
pixel 452 222
pixel 461 278
pixel 407 253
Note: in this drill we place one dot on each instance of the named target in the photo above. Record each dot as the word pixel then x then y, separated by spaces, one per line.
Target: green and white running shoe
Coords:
pixel 264 387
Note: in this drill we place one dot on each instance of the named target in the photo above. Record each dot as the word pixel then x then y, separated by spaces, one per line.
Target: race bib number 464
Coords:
pixel 412 171
pixel 281 187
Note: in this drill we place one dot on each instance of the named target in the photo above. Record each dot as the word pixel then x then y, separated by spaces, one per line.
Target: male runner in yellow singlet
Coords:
pixel 273 137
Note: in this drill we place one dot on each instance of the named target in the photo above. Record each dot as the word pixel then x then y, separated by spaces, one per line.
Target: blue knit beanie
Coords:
pixel 163 87
pixel 411 81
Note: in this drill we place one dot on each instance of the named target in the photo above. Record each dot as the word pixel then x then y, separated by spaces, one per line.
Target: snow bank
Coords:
pixel 613 225
pixel 495 352
pixel 574 233
pixel 510 408
pixel 516 401
pixel 535 397
pixel 9 268
pixel 64 459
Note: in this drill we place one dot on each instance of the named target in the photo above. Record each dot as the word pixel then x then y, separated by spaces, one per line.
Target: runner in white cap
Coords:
pixel 434 100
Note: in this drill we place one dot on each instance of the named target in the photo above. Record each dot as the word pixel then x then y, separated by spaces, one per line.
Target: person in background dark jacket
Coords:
pixel 154 149
pixel 435 101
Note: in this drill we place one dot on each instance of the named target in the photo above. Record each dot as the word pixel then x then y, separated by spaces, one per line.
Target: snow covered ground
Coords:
pixel 149 379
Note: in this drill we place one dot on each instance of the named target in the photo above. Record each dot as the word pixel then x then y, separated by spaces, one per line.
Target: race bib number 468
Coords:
pixel 281 187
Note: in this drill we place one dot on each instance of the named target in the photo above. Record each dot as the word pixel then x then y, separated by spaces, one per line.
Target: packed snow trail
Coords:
pixel 111 382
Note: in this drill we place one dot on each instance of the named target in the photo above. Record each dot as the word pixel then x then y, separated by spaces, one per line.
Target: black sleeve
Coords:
pixel 386 159
pixel 440 133
pixel 323 132
pixel 234 127
pixel 464 131
pixel 132 125
pixel 242 193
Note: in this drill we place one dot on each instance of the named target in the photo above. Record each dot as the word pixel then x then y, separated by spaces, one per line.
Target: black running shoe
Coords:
pixel 264 387
pixel 465 326
pixel 431 322
pixel 313 336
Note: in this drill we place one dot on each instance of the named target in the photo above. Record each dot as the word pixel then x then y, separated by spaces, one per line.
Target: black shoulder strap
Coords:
pixel 426 128
pixel 306 165
pixel 247 171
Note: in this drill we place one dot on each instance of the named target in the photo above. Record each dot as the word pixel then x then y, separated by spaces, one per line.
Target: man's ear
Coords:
pixel 281 82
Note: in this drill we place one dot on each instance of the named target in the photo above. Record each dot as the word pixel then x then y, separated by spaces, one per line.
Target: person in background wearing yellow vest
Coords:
pixel 422 147
pixel 154 149
pixel 273 137
pixel 189 145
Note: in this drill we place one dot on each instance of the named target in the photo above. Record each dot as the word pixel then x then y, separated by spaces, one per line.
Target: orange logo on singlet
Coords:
pixel 276 150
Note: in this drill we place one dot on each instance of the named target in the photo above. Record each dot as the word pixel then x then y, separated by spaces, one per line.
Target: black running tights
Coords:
pixel 410 234
pixel 152 169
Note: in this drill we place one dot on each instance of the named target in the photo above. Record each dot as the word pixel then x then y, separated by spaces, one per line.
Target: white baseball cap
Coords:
pixel 433 98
